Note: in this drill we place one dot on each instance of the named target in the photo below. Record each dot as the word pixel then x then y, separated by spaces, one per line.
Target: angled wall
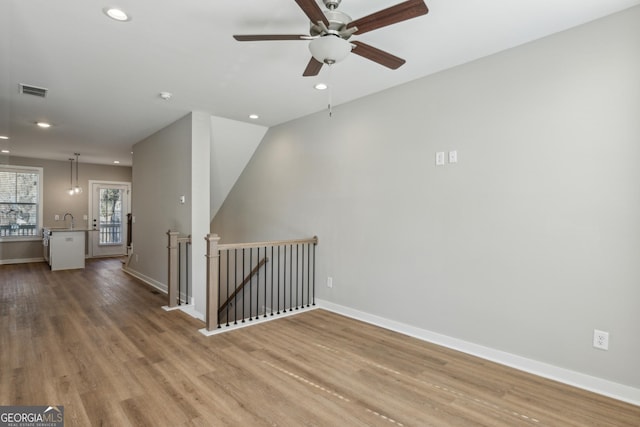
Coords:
pixel 232 145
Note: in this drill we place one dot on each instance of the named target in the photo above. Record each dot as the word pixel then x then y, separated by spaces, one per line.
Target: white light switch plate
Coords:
pixel 440 158
pixel 453 157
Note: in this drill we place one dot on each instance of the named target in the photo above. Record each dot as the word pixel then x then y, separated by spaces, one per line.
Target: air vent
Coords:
pixel 33 90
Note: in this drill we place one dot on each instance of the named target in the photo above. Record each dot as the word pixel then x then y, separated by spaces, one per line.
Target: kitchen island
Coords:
pixel 64 248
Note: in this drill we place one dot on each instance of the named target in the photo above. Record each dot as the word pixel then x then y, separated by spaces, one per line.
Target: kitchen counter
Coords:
pixel 59 229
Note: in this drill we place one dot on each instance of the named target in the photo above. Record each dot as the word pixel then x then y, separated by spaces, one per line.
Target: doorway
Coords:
pixel 108 206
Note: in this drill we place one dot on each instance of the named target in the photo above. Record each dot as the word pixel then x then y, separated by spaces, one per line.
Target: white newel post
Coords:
pixel 212 280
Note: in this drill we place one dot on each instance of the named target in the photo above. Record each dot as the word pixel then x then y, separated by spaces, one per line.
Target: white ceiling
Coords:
pixel 104 77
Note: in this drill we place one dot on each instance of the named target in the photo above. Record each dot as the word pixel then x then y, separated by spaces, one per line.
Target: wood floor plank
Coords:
pixel 97 342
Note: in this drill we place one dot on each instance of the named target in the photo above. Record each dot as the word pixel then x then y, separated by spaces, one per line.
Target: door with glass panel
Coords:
pixel 109 206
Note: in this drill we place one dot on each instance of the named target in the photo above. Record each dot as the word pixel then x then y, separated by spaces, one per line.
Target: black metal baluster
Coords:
pixel 227 295
pixel 258 285
pixel 179 271
pixel 265 283
pixel 303 245
pixel 271 281
pixel 313 300
pixel 297 276
pixel 290 277
pixel 219 261
pixel 243 275
pixel 250 284
pixel 284 274
pixel 309 274
pixel 278 279
pixel 235 281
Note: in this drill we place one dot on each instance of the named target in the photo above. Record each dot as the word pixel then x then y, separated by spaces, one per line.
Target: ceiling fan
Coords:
pixel 331 29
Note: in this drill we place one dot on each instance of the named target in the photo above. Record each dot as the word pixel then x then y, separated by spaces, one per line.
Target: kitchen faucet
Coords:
pixel 65 218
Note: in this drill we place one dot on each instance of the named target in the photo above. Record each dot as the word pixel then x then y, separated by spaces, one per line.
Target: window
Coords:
pixel 20 202
pixel 111 216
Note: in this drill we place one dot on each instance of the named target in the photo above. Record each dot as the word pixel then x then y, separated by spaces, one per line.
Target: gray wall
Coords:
pixel 55 198
pixel 525 245
pixel 161 174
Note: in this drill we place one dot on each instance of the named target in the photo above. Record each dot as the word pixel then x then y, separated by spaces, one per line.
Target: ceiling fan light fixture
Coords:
pixel 330 49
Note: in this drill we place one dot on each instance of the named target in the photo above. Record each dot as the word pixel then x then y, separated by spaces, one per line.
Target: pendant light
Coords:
pixel 70 190
pixel 77 189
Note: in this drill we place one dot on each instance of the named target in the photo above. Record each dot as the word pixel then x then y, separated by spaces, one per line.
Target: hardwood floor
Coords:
pixel 97 342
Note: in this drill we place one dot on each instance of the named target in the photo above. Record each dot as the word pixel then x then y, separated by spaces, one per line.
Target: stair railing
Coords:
pixel 240 288
pixel 251 281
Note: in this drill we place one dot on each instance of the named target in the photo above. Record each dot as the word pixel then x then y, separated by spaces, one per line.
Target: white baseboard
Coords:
pixel 20 260
pixel 254 322
pixel 587 382
pixel 146 279
pixel 189 309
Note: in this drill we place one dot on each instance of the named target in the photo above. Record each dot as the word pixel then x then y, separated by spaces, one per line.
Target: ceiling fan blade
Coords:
pixel 313 68
pixel 269 37
pixel 392 15
pixel 377 55
pixel 313 11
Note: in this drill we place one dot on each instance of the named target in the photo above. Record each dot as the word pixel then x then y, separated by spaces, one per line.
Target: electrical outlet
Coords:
pixel 329 282
pixel 601 339
pixel 56 217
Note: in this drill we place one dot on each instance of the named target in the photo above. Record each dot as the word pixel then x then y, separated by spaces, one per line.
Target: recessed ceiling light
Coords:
pixel 4 151
pixel 116 14
pixel 43 125
pixel 4 137
pixel 253 116
pixel 321 86
pixel 116 162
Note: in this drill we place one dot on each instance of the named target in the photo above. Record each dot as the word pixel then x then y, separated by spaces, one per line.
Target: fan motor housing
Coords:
pixel 338 22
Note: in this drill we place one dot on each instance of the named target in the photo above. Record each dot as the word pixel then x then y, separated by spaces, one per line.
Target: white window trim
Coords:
pixel 40 172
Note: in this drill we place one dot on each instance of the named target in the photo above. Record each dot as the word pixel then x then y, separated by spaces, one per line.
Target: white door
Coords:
pixel 109 206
